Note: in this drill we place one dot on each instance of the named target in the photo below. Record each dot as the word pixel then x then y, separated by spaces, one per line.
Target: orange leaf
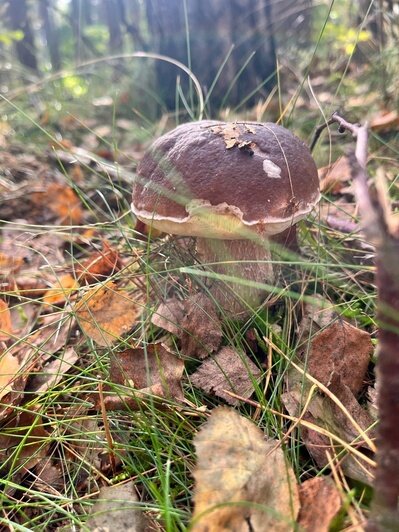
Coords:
pixel 62 201
pixel 99 265
pixel 106 312
pixel 61 290
pixel 5 322
pixel 385 121
pixel 9 367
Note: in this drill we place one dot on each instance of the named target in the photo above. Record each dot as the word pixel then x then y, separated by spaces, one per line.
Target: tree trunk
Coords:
pixel 19 20
pixel 214 26
pixel 51 34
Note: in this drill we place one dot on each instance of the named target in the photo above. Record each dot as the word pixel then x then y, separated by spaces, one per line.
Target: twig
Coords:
pixel 318 131
pixel 385 510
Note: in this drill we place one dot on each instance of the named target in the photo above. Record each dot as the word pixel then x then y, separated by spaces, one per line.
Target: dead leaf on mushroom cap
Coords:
pixel 153 370
pixel 242 481
pixel 231 133
pixel 227 370
pixel 320 503
pixel 106 312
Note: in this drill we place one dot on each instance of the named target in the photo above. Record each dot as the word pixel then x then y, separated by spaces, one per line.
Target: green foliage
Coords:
pixel 7 37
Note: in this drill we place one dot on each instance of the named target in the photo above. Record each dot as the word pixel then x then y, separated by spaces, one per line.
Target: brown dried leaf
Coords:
pixel 53 372
pixel 250 129
pixel 9 366
pixel 343 349
pixel 388 120
pixel 235 464
pixel 23 440
pixel 99 265
pixel 10 264
pixel 335 176
pixel 49 477
pixel 6 331
pixel 154 370
pixel 227 370
pixel 58 202
pixel 322 412
pixel 230 143
pixel 201 333
pixel 106 312
pixel 169 316
pixel 117 509
pixel 32 351
pixel 320 503
pixel 61 290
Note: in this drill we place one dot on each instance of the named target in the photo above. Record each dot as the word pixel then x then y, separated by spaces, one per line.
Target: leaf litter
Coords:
pixel 330 340
pixel 242 480
pixel 151 371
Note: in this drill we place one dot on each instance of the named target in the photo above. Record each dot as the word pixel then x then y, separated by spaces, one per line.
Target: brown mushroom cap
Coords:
pixel 218 180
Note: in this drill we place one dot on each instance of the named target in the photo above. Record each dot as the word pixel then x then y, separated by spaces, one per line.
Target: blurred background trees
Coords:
pixel 232 46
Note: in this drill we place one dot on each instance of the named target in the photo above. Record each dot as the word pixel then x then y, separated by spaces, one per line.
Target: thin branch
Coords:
pixel 318 131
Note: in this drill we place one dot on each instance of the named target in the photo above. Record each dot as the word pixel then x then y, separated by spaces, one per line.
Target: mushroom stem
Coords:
pixel 243 259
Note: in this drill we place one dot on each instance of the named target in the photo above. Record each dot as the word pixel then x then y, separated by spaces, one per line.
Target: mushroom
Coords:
pixel 233 186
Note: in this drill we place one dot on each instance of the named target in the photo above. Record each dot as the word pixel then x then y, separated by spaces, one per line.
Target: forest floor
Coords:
pixel 112 390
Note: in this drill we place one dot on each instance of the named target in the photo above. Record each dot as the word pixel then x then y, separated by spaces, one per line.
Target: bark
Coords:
pixel 51 34
pixel 19 20
pixel 214 27
pixel 385 511
pixel 112 11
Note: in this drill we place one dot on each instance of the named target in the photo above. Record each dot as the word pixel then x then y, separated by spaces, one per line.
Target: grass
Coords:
pixel 152 444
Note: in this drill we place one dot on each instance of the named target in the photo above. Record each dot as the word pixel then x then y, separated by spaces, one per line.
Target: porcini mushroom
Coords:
pixel 232 186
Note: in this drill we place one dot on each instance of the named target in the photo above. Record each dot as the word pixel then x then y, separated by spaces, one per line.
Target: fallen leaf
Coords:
pixel 10 264
pixel 154 370
pixel 335 176
pixel 61 290
pixel 339 348
pixel 49 477
pixel 242 481
pixel 320 502
pixel 322 413
pixel 201 327
pixel 388 120
pixel 118 509
pixel 23 441
pixel 227 370
pixel 53 372
pixel 169 316
pixel 59 203
pixel 106 312
pixel 32 351
pixel 9 367
pixel 316 315
pixel 6 330
pixel 99 265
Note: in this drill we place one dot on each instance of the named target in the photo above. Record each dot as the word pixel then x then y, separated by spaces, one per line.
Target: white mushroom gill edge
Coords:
pixel 271 169
pixel 219 221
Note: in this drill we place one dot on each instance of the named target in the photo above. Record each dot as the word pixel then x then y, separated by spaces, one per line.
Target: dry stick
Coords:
pixel 384 515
